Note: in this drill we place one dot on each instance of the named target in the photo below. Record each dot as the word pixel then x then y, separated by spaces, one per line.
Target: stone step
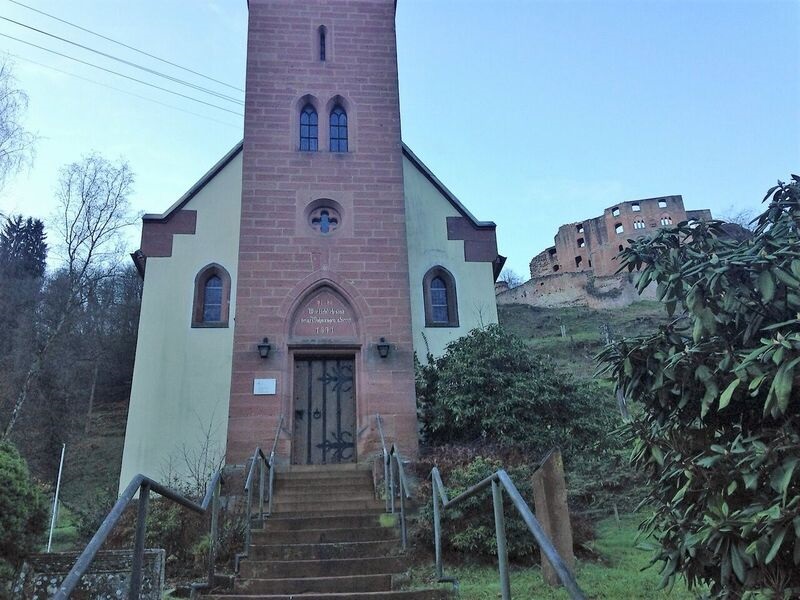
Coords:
pixel 324 536
pixel 279 522
pixel 327 468
pixel 320 568
pixel 429 594
pixel 313 486
pixel 323 504
pixel 328 495
pixel 323 512
pixel 324 551
pixel 306 585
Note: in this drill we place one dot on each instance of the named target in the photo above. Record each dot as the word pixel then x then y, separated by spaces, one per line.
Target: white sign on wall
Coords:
pixel 264 387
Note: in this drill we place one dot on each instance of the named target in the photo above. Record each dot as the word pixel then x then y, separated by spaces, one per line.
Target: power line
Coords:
pixel 100 35
pixel 127 62
pixel 120 90
pixel 83 62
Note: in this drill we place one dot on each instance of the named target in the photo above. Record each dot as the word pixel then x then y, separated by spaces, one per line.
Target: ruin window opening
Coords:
pixel 621 247
pixel 639 224
pixel 619 228
pixel 579 228
pixel 615 211
pixel 556 268
pixel 662 204
pixel 578 261
pixel 666 220
pixel 581 243
pixel 590 263
pixel 635 207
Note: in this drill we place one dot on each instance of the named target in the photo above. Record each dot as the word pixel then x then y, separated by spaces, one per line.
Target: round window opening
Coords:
pixel 324 220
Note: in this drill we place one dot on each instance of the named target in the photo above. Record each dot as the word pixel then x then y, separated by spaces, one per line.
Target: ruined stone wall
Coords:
pixel 560 290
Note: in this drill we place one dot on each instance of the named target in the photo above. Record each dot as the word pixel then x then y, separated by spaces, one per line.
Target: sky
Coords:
pixel 534 113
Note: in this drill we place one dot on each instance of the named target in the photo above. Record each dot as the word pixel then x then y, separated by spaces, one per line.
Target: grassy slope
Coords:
pixel 617 576
pixel 541 330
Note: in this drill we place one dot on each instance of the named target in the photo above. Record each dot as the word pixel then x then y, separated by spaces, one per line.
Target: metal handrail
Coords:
pixel 392 459
pixel 264 462
pixel 499 481
pixel 144 485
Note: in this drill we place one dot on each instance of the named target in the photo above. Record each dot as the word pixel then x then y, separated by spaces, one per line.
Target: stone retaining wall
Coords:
pixel 108 577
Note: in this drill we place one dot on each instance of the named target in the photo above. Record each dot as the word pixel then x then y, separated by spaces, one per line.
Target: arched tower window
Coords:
pixel 322 35
pixel 338 129
pixel 309 131
pixel 441 306
pixel 212 290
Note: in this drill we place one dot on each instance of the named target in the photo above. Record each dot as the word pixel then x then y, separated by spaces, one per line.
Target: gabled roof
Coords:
pixel 195 189
pixel 444 191
pixel 203 181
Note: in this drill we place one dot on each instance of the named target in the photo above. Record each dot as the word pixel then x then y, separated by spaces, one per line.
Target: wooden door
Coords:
pixel 324 411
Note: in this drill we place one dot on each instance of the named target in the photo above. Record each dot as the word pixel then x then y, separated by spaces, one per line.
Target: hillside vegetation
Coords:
pixel 540 328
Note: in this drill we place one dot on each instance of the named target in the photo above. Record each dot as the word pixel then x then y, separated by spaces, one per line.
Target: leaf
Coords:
pixel 776 545
pixel 725 398
pixel 766 285
pixel 657 455
pixel 781 477
pixel 738 564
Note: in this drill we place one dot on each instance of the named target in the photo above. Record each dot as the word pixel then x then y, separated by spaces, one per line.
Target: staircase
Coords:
pixel 327 538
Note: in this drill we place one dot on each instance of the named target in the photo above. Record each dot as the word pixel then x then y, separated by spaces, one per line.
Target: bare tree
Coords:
pixel 511 278
pixel 743 217
pixel 16 142
pixel 93 210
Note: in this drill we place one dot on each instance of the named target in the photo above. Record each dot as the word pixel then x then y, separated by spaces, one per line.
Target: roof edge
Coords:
pixel 445 192
pixel 195 189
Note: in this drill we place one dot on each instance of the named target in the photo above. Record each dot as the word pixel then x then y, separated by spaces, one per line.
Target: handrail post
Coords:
pixel 500 531
pixel 138 545
pixel 403 533
pixel 248 524
pixel 437 528
pixel 261 483
pixel 212 547
pixel 271 481
pixel 391 486
pixel 386 467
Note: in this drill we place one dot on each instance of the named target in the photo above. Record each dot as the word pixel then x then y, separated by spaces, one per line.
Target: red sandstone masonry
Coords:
pixel 366 259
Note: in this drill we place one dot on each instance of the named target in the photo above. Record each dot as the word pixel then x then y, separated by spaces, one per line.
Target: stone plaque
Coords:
pixel 264 387
pixel 325 315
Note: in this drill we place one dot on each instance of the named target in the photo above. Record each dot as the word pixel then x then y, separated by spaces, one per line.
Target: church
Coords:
pixel 293 284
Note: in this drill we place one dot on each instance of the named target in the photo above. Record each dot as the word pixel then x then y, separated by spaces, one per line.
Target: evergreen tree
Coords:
pixel 23 250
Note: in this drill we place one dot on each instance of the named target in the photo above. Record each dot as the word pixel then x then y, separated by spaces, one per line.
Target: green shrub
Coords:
pixel 491 392
pixel 23 511
pixel 719 432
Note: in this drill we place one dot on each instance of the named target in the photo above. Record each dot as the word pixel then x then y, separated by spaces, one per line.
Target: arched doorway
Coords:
pixel 324 341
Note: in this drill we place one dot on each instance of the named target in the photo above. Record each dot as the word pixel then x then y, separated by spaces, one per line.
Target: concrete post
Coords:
pixel 550 502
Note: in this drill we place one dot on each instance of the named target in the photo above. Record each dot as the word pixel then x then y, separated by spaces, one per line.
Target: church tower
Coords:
pixel 323 265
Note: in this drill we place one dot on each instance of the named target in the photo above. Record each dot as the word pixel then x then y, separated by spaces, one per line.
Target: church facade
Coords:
pixel 299 276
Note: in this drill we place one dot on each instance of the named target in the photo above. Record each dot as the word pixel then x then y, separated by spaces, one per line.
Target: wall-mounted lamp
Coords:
pixel 383 348
pixel 264 348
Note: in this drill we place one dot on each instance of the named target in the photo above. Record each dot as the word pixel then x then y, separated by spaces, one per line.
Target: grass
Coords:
pixel 540 328
pixel 65 533
pixel 617 575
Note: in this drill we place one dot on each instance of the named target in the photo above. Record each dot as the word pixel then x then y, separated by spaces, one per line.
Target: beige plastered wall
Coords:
pixel 182 375
pixel 426 218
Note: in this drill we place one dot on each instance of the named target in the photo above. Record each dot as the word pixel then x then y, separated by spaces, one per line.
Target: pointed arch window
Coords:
pixel 212 290
pixel 309 129
pixel 441 306
pixel 338 129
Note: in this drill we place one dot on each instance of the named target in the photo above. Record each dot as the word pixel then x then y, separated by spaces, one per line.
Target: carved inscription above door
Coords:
pixel 324 315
